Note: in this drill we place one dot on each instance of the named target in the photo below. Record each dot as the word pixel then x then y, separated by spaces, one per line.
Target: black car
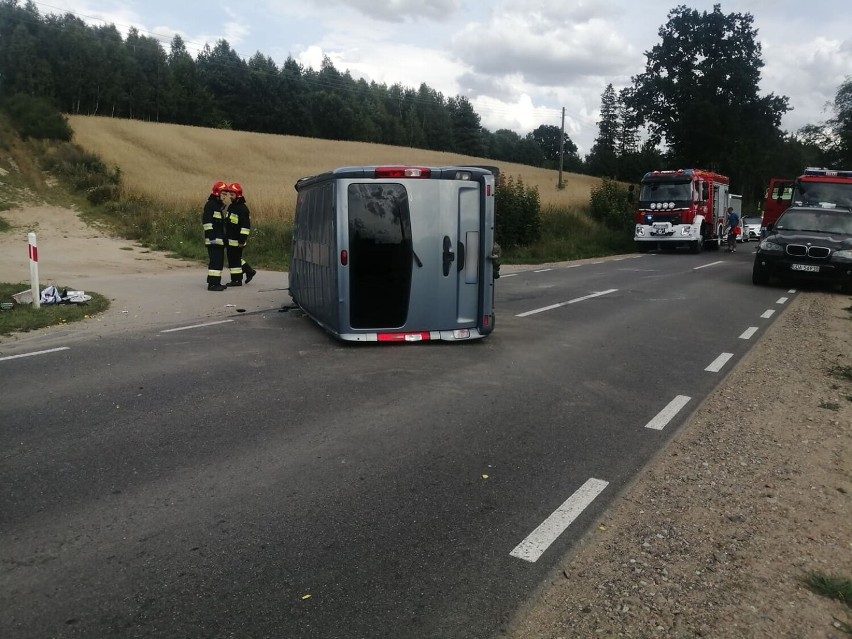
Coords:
pixel 807 244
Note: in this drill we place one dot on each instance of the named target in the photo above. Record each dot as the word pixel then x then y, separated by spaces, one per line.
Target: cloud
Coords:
pixel 403 10
pixel 542 50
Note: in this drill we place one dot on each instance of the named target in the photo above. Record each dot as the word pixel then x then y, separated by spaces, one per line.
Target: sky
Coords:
pixel 519 62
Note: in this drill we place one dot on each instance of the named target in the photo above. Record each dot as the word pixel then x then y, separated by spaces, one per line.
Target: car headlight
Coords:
pixel 640 232
pixel 770 247
pixel 842 256
pixel 685 230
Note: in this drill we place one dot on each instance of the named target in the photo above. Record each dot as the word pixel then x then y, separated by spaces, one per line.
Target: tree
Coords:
pixel 466 127
pixel 603 156
pixel 547 136
pixel 834 137
pixel 699 93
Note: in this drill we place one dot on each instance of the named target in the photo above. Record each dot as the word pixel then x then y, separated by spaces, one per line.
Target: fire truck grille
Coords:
pixel 800 250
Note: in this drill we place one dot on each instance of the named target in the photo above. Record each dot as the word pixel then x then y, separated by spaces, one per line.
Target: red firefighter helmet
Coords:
pixel 235 188
pixel 219 187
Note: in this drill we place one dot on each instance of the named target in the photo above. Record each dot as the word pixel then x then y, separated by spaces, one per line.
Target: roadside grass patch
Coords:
pixel 832 587
pixel 4 225
pixel 569 234
pixel 843 372
pixel 830 405
pixel 24 317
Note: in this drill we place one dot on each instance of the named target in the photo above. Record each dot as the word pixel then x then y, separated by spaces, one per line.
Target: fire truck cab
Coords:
pixel 683 208
pixel 825 188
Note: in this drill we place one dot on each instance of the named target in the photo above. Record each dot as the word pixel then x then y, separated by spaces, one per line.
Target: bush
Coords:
pixel 517 210
pixel 84 171
pixel 609 205
pixel 37 118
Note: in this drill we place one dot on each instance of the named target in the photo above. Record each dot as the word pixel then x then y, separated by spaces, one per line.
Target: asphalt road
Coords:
pixel 256 478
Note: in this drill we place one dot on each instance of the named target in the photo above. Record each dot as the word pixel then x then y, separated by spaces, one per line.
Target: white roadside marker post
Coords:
pixel 33 249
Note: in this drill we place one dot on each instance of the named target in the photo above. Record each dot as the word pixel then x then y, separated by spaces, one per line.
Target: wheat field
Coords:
pixel 175 165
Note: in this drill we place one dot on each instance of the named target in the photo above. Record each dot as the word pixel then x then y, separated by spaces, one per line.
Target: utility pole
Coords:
pixel 561 185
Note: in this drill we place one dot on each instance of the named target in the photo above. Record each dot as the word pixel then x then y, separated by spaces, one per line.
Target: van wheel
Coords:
pixel 759 276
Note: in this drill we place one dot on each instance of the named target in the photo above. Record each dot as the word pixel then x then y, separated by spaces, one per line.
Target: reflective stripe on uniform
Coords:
pixel 207 226
pixel 237 271
pixel 244 231
pixel 233 242
pixel 214 273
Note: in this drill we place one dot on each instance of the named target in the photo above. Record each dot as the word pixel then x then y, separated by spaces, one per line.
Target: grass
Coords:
pixel 843 372
pixel 174 166
pixel 832 587
pixel 25 317
pixel 830 405
pixel 167 171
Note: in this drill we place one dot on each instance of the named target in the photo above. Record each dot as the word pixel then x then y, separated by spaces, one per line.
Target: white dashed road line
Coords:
pixel 52 350
pixel 719 362
pixel 706 265
pixel 186 328
pixel 768 314
pixel 666 415
pixel 782 300
pixel 750 331
pixel 543 270
pixel 574 301
pixel 539 540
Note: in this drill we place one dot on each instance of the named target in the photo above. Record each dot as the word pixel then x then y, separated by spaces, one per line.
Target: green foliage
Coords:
pixel 831 586
pixel 699 93
pixel 83 171
pixel 517 212
pixel 37 118
pixel 25 317
pixel 569 235
pixel 609 204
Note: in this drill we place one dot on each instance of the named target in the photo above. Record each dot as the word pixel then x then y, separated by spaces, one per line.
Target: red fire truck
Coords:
pixel 683 208
pixel 827 188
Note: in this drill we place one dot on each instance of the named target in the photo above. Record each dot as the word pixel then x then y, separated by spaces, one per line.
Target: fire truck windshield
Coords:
pixel 827 195
pixel 665 191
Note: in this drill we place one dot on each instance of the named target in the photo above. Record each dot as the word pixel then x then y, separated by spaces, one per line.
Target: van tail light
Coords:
pixel 344 257
pixel 403 172
pixel 403 337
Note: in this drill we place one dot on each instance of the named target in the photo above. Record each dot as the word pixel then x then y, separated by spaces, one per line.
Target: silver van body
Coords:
pixel 396 253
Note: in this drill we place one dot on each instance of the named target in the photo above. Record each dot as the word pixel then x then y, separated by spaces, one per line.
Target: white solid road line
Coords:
pixel 539 540
pixel 52 350
pixel 574 301
pixel 710 264
pixel 719 362
pixel 667 414
pixel 768 314
pixel 749 332
pixel 186 328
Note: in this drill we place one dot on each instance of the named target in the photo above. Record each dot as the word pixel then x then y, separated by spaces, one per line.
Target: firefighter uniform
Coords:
pixel 213 222
pixel 237 230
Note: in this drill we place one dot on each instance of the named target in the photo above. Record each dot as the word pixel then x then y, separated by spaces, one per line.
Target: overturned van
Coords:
pixel 396 253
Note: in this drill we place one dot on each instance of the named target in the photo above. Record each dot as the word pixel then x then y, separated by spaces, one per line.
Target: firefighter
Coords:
pixel 213 222
pixel 237 229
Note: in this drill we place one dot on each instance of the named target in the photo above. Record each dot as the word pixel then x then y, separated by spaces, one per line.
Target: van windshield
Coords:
pixel 380 255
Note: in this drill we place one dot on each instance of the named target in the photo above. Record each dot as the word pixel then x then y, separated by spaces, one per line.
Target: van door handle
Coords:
pixel 449 256
pixel 461 256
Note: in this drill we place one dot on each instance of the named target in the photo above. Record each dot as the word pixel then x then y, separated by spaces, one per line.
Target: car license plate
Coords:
pixel 660 229
pixel 810 268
